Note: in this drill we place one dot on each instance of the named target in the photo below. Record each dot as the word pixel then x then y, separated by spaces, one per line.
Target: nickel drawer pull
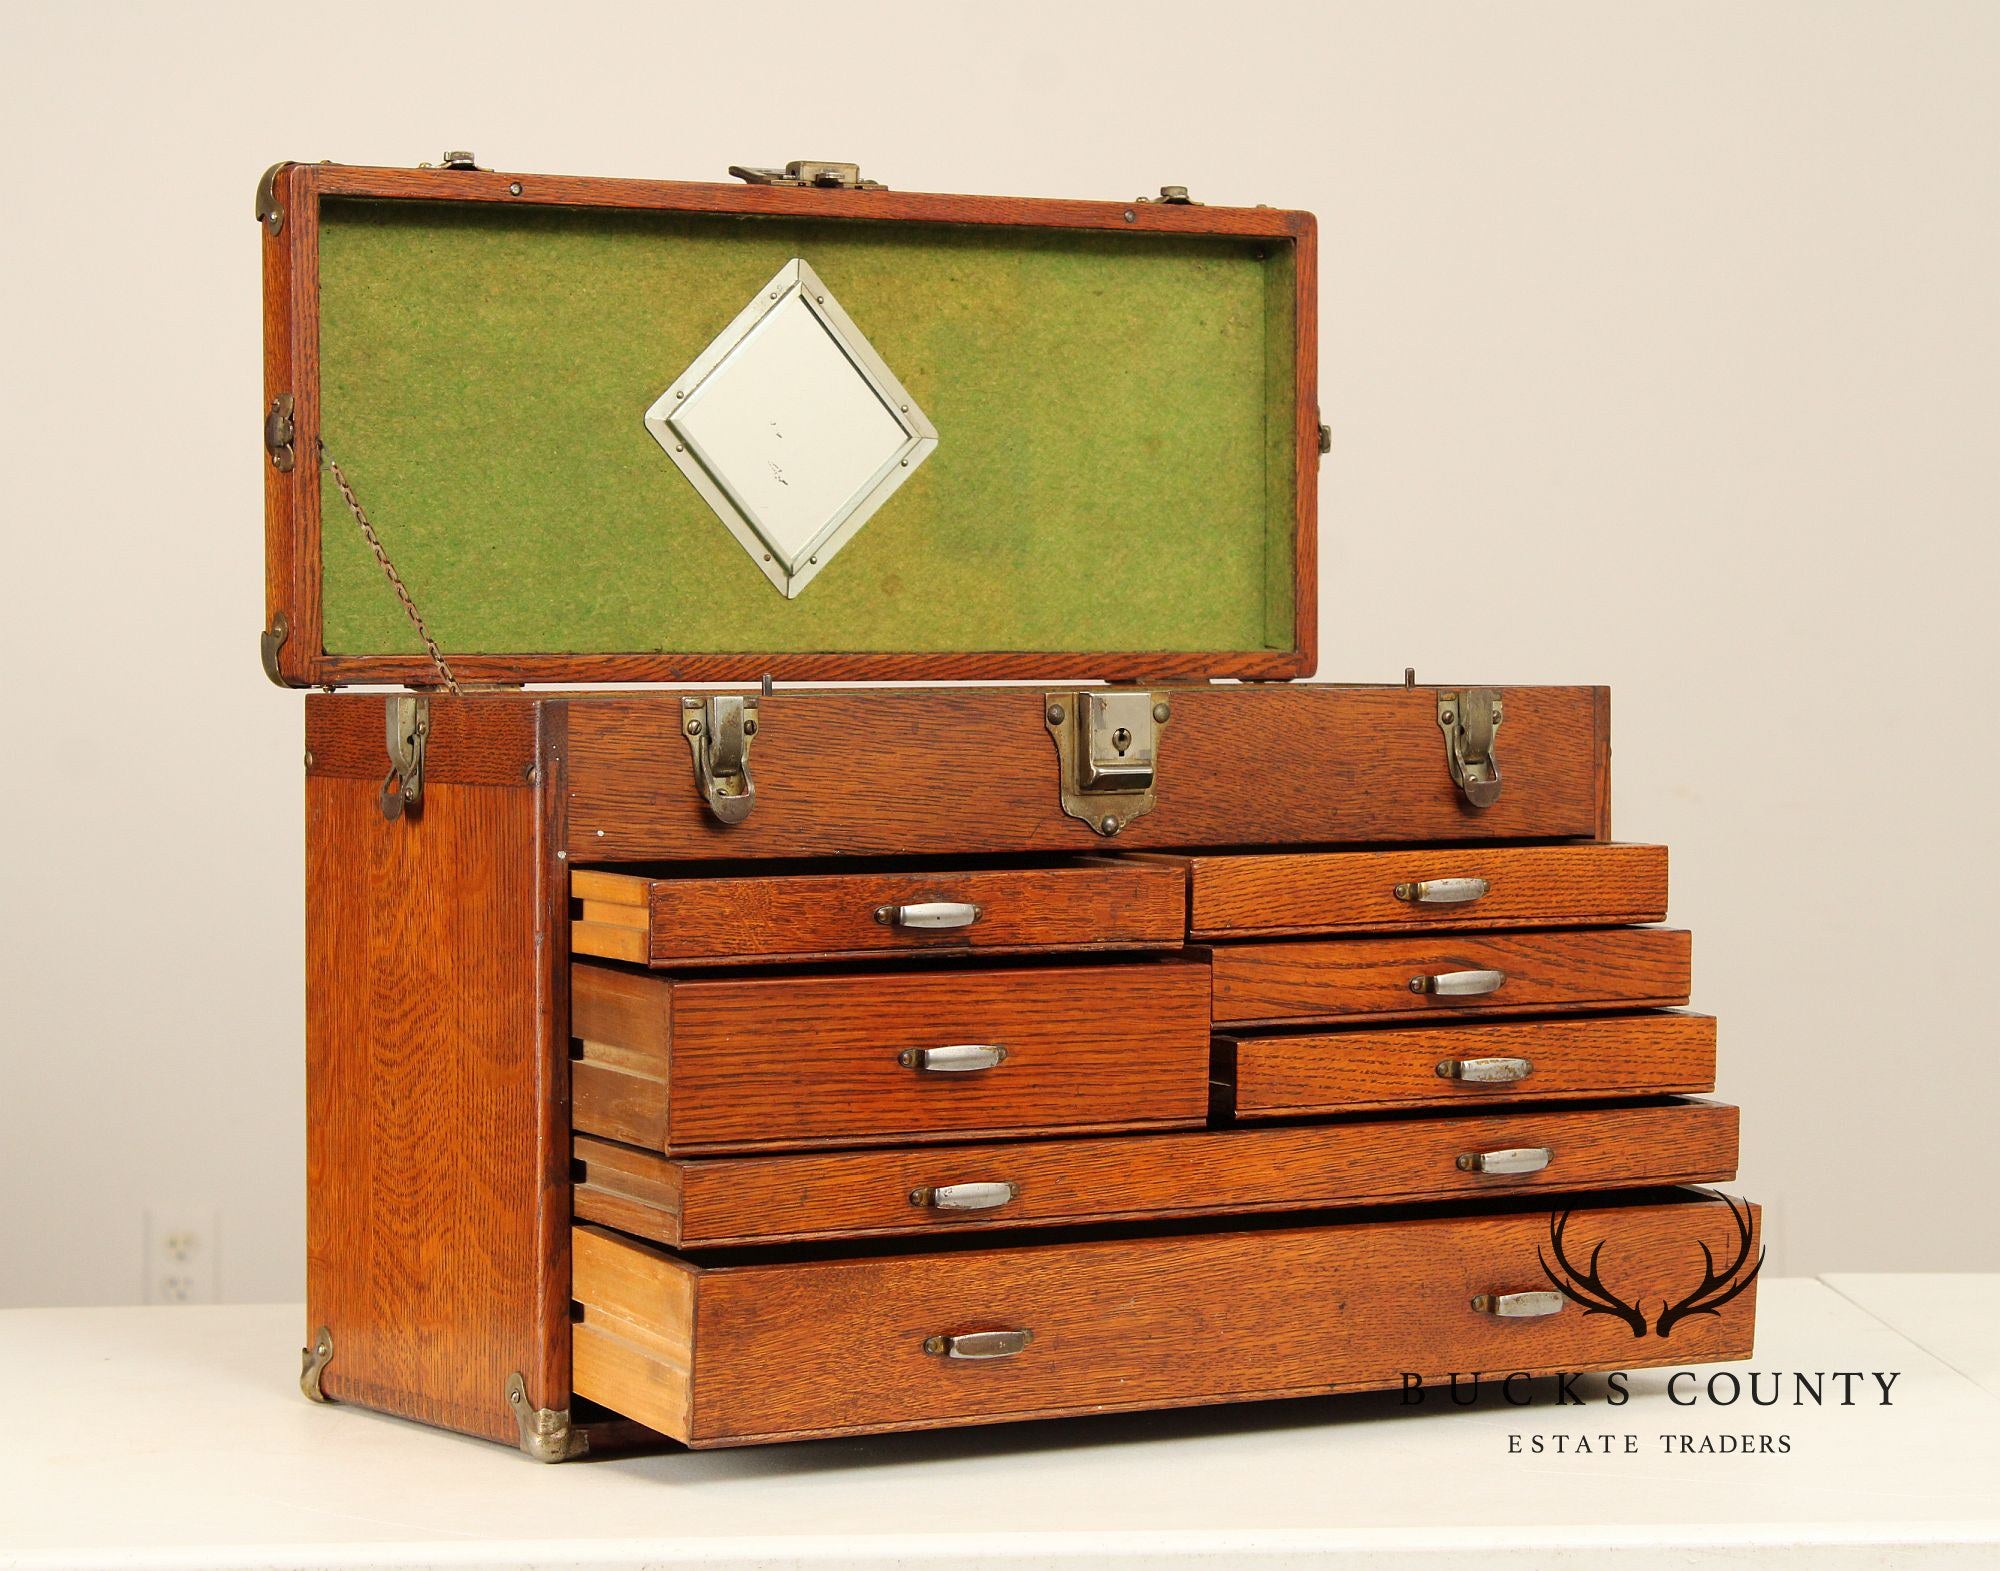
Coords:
pixel 1443 891
pixel 982 1344
pixel 1518 1306
pixel 1484 1071
pixel 963 1197
pixel 1459 984
pixel 1514 1159
pixel 960 1059
pixel 930 915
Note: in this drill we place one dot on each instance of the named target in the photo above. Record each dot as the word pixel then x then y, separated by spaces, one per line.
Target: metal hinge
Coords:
pixel 409 730
pixel 1470 719
pixel 270 212
pixel 280 434
pixel 270 641
pixel 547 1435
pixel 312 1364
pixel 1107 750
pixel 1325 437
pixel 819 172
pixel 718 731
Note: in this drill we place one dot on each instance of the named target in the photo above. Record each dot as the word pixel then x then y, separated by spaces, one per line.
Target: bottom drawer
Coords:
pixel 765 1349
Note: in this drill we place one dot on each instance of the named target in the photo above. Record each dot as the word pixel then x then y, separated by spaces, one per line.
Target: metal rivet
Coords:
pixel 1446 717
pixel 563 856
pixel 821 299
pixel 906 409
pixel 309 758
pixel 600 835
pixel 1055 714
pixel 679 448
pixel 534 774
pixel 679 394
pixel 774 294
pixel 811 559
pixel 1130 216
pixel 1108 824
pixel 1162 714
pixel 750 726
pixel 906 463
pixel 514 188
pixel 694 728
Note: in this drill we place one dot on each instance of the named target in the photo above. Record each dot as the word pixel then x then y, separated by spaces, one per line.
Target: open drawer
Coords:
pixel 1277 893
pixel 762 1347
pixel 1450 973
pixel 758 1062
pixel 709 1202
pixel 688 918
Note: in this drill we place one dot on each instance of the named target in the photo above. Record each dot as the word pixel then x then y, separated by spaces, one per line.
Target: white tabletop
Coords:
pixel 177 1437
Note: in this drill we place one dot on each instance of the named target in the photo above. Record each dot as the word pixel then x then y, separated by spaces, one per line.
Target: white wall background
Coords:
pixel 1660 348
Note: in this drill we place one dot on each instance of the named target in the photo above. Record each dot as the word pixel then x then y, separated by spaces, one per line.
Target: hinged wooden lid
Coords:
pixel 1122 482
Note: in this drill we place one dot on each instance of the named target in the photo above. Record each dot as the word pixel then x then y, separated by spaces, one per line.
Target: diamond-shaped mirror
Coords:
pixel 792 428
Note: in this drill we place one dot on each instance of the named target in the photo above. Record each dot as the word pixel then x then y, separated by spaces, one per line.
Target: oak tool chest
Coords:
pixel 700 1049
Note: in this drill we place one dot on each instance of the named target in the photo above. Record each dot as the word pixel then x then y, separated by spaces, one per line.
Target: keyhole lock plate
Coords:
pixel 1107 749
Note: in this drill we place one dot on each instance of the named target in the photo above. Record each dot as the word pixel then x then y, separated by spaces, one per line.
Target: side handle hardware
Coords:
pixel 547 1434
pixel 929 915
pixel 1518 1306
pixel 409 732
pixel 1459 984
pixel 1107 753
pixel 826 174
pixel 718 732
pixel 979 1344
pixel 1514 1159
pixel 312 1364
pixel 1470 719
pixel 1484 1071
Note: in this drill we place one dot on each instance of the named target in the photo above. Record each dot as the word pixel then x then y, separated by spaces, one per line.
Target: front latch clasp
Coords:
pixel 1470 718
pixel 826 174
pixel 718 731
pixel 1107 747
pixel 280 433
pixel 409 730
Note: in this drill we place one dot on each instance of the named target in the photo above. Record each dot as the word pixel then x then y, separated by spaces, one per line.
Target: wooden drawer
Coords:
pixel 1270 983
pixel 745 1063
pixel 1095 903
pixel 1459 887
pixel 717 1201
pixel 1354 1069
pixel 779 1349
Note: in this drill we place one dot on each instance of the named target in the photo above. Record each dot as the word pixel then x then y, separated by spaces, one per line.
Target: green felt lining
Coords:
pixel 1115 420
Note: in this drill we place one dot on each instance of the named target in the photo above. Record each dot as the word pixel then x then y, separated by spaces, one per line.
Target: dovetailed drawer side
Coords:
pixel 730 1354
pixel 1472 886
pixel 1093 903
pixel 1329 979
pixel 714 1202
pixel 722 1063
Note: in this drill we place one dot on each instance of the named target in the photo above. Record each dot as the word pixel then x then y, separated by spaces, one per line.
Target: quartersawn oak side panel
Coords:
pixel 1277 765
pixel 718 1202
pixel 1357 1068
pixel 1588 968
pixel 837 1347
pixel 436 1221
pixel 1275 893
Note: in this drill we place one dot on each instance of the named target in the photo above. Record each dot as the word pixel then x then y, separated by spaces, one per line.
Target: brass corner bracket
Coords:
pixel 312 1364
pixel 547 1435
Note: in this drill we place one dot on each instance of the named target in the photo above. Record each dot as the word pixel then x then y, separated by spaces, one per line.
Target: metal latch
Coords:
pixel 279 433
pixel 269 642
pixel 819 172
pixel 409 729
pixel 718 731
pixel 270 211
pixel 1107 748
pixel 1470 719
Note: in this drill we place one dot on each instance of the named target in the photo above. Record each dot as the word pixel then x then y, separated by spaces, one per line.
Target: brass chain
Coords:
pixel 389 571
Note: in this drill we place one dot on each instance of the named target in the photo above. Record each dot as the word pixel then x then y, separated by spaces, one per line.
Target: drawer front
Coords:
pixel 1465 887
pixel 775 1351
pixel 1458 973
pixel 785 1061
pixel 1095 904
pixel 1468 1061
pixel 722 1201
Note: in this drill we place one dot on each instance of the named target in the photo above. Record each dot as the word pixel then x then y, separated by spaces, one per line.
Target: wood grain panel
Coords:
pixel 821 1347
pixel 717 1201
pixel 1272 894
pixel 437 1209
pixel 1354 1069
pixel 1094 904
pixel 1591 968
pixel 1238 766
pixel 788 1061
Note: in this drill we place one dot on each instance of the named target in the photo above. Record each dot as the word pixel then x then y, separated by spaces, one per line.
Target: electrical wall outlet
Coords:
pixel 182 1255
